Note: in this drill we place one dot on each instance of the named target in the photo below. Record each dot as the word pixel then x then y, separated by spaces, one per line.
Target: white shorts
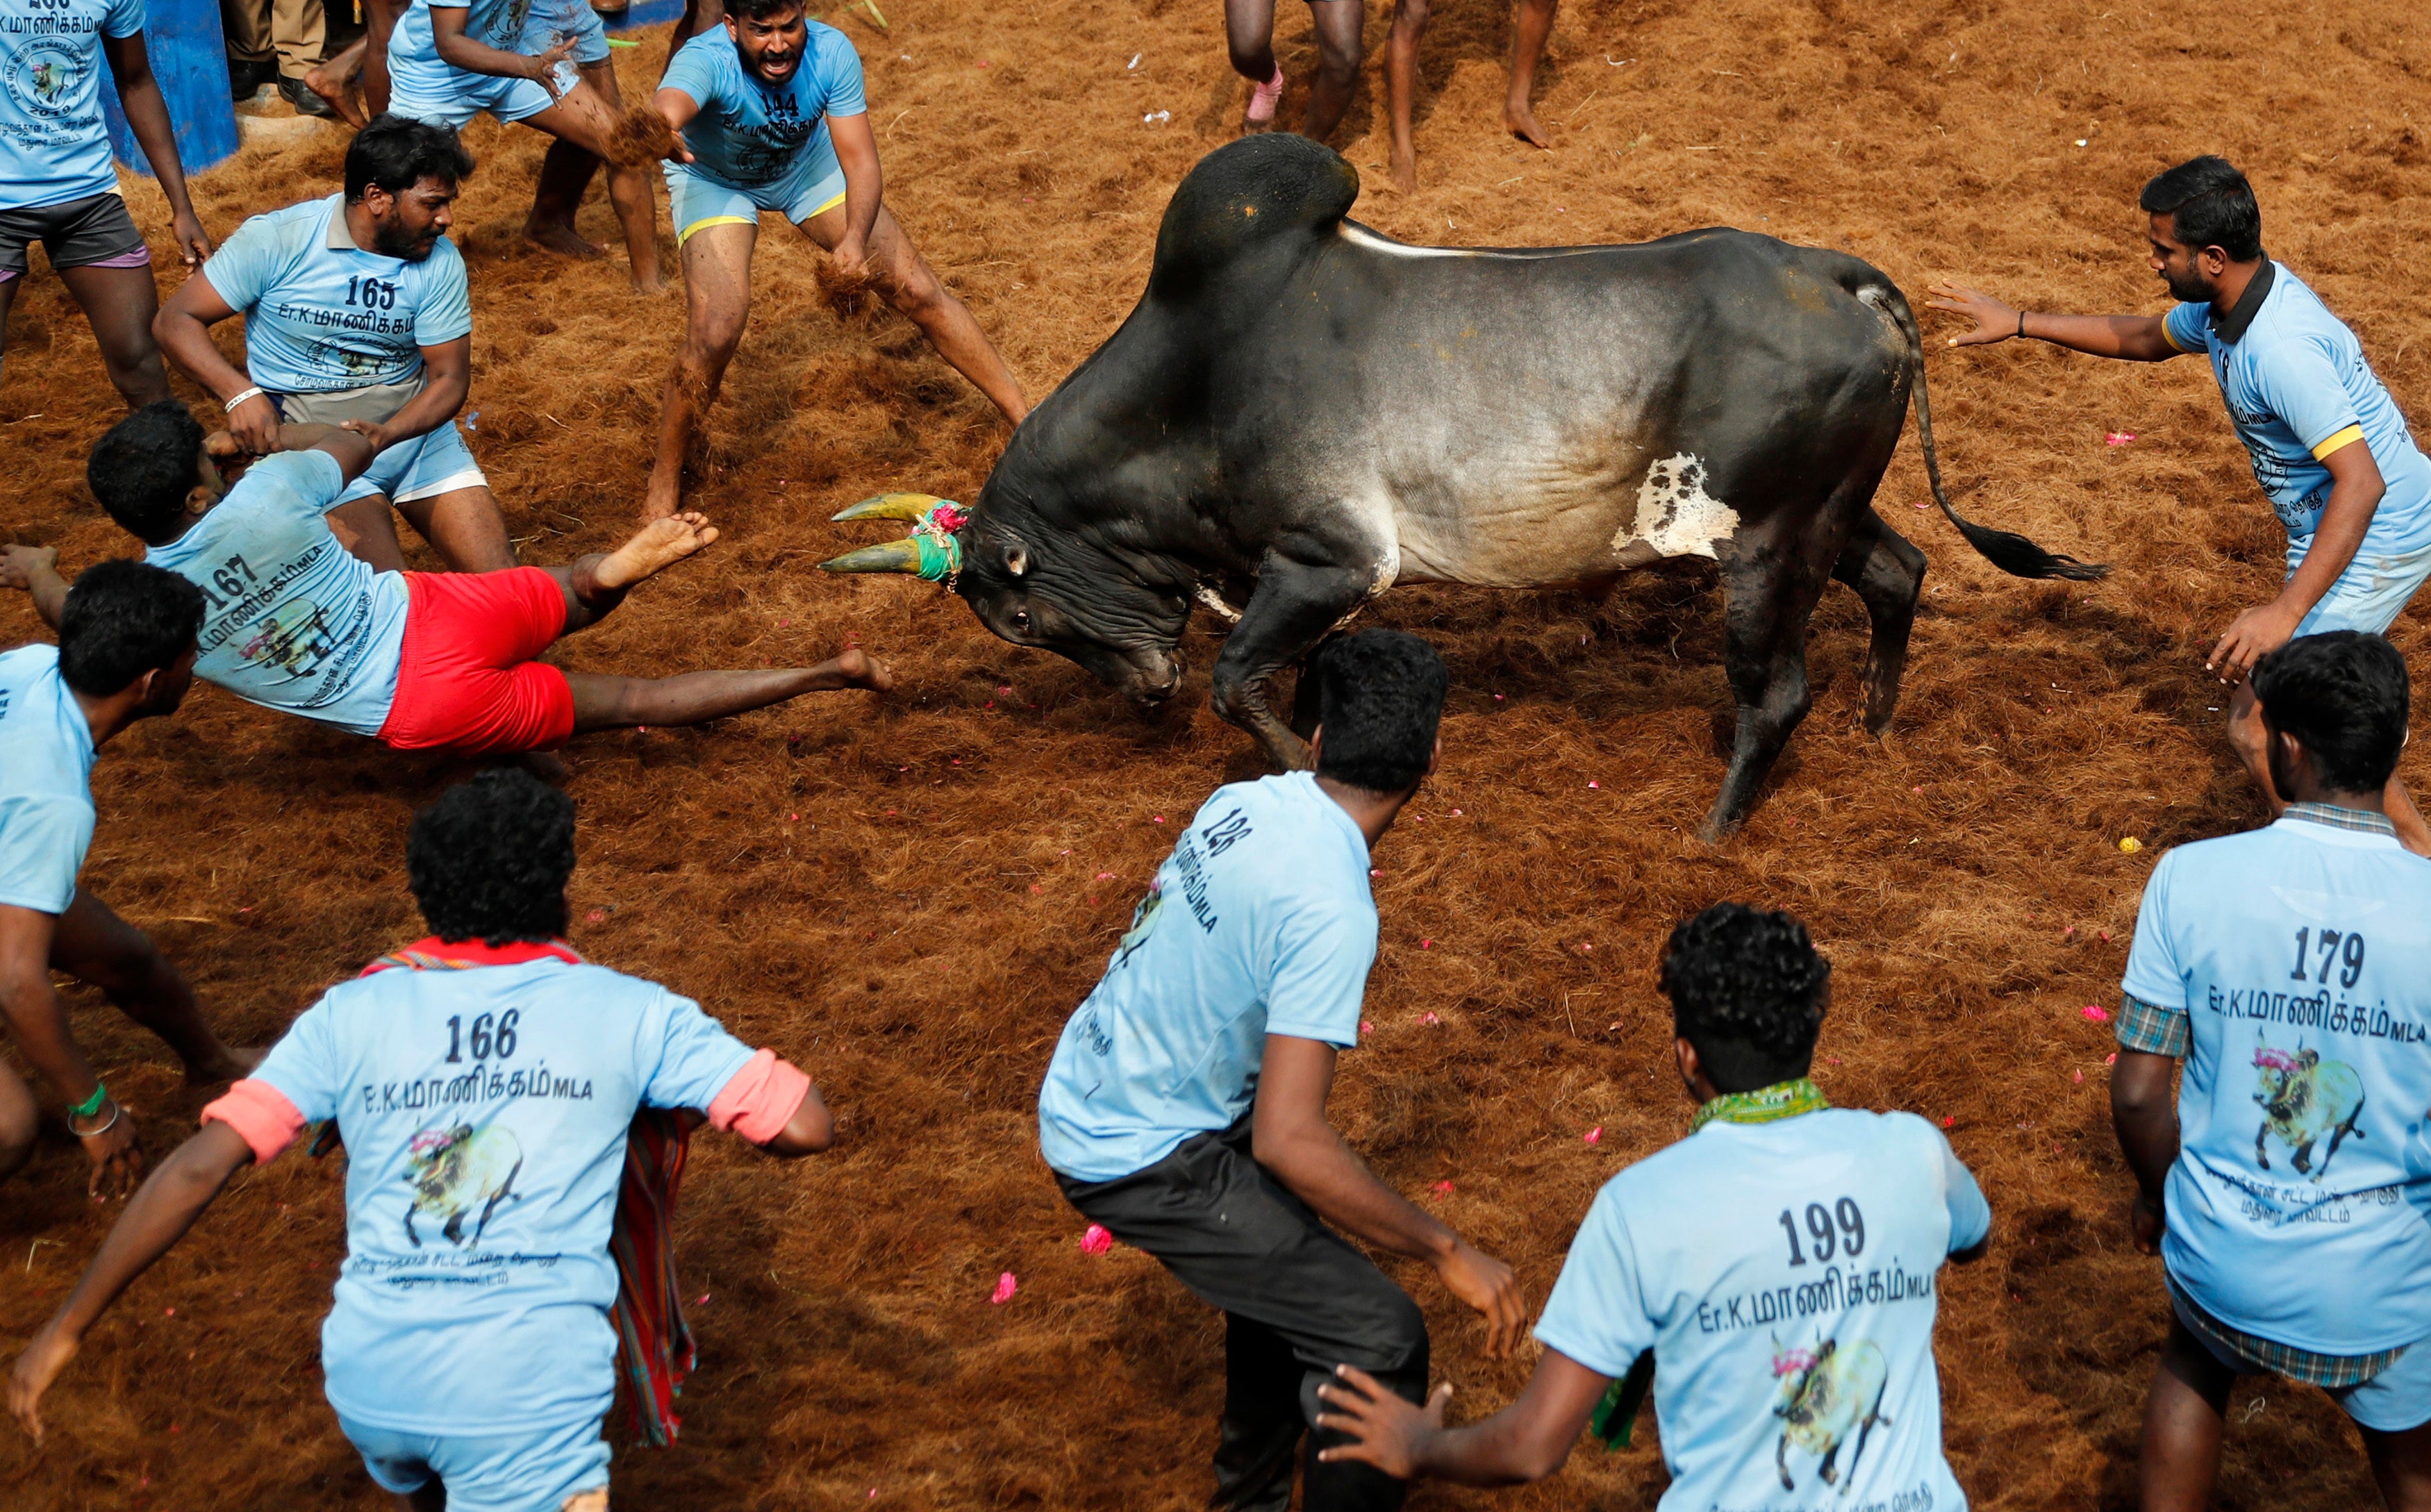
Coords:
pixel 425 467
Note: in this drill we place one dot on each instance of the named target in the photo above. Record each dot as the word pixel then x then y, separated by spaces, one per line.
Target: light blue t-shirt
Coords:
pixel 484 1114
pixel 498 23
pixel 2298 388
pixel 2300 1207
pixel 321 315
pixel 292 621
pixel 748 134
pixel 1258 923
pixel 1783 1275
pixel 45 783
pixel 54 146
pixel 547 23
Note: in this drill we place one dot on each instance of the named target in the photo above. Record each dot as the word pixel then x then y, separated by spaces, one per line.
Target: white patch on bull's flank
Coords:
pixel 1675 515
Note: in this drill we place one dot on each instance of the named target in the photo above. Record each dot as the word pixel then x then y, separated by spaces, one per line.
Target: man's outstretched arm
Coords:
pixel 36 569
pixel 2130 338
pixel 158 1217
pixel 1526 1441
pixel 1290 1137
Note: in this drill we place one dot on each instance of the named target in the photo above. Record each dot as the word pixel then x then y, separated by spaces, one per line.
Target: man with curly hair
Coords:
pixel 1184 1109
pixel 2290 968
pixel 1780 1262
pixel 483 1080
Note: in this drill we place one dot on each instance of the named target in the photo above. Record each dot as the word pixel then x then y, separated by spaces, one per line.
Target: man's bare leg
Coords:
pixel 566 174
pixel 603 703
pixel 1250 39
pixel 717 306
pixel 464 527
pixel 2181 1425
pixel 120 303
pixel 1402 87
pixel 1338 49
pixel 368 532
pixel 94 945
pixel 2401 1462
pixel 1535 23
pixel 913 289
pixel 584 119
pixel 21 1120
pixel 329 79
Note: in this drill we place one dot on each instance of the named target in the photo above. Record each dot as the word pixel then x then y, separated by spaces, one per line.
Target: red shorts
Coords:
pixel 468 681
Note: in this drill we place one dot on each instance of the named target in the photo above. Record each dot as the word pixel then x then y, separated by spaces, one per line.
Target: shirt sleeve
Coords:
pixel 1598 1315
pixel 2153 971
pixel 1970 1217
pixel 124 18
pixel 693 73
pixel 2301 385
pixel 758 1100
pixel 841 73
pixel 692 1059
pixel 244 266
pixel 446 311
pixel 303 1068
pixel 1320 979
pixel 42 842
pixel 304 482
pixel 2187 327
pixel 261 1115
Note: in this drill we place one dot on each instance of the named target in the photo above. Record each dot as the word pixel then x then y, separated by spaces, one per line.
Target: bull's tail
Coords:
pixel 2006 549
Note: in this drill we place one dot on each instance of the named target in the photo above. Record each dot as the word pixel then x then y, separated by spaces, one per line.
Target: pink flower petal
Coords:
pixel 1594 785
pixel 1426 945
pixel 2094 1014
pixel 1005 1286
pixel 1428 1019
pixel 2111 1059
pixel 1947 1119
pixel 1096 1241
pixel 1366 1028
pixel 2120 438
pixel 1595 1135
pixel 1443 1186
pixel 2078 1076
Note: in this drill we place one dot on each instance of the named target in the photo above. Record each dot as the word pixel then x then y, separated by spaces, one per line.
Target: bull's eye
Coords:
pixel 1021 620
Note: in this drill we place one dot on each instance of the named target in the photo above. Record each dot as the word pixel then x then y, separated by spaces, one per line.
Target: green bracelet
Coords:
pixel 91 1104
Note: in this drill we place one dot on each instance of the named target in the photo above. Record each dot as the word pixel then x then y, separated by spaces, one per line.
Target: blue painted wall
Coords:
pixel 190 59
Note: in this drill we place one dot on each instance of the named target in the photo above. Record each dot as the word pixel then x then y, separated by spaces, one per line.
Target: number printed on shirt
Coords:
pixel 370 294
pixel 230 577
pixel 2343 950
pixel 485 1040
pixel 1839 1229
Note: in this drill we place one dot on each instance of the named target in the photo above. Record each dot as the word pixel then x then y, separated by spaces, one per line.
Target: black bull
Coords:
pixel 1302 412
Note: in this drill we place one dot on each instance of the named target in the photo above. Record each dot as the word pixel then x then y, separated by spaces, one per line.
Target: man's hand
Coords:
pixel 1488 1285
pixel 543 68
pixel 116 1154
pixel 2256 633
pixel 851 256
pixel 40 1364
pixel 18 564
pixel 254 426
pixel 1994 321
pixel 2147 1221
pixel 371 431
pixel 193 243
pixel 1384 1431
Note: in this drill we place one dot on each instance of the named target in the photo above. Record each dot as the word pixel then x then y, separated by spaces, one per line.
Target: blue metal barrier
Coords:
pixel 189 60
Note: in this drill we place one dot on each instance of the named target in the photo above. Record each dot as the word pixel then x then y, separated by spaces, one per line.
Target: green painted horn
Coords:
pixel 890 506
pixel 887 556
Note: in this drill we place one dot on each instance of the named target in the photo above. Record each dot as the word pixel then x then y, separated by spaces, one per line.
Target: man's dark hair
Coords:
pixel 2209 204
pixel 490 858
pixel 123 619
pixel 763 9
pixel 2344 695
pixel 1746 988
pixel 397 152
pixel 143 468
pixel 1381 696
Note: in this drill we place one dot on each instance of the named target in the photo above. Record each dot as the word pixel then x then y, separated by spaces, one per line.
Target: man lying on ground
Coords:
pixel 2286 1191
pixel 357 308
pixel 1185 1108
pixel 482 1081
pixel 769 110
pixel 420 660
pixel 126 653
pixel 1779 1262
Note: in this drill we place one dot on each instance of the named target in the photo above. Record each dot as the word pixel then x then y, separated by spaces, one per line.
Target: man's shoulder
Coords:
pixel 22 665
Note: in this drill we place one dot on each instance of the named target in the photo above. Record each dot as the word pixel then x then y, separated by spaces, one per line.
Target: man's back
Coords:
pixel 484 1114
pixel 46 757
pixel 1783 1275
pixel 292 620
pixel 1260 922
pixel 2302 956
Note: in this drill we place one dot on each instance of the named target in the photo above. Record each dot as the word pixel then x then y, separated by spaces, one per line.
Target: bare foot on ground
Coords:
pixel 1405 170
pixel 1521 122
pixel 561 238
pixel 654 547
pixel 859 669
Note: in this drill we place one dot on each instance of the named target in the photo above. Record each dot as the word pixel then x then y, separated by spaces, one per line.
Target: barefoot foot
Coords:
pixel 331 88
pixel 1405 169
pixel 1521 122
pixel 856 668
pixel 561 238
pixel 232 1063
pixel 654 547
pixel 1262 100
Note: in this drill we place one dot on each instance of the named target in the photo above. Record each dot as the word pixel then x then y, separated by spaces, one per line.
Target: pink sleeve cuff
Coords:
pixel 758 1100
pixel 260 1114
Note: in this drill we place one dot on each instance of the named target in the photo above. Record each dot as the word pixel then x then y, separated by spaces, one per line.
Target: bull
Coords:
pixel 457 1171
pixel 1827 1394
pixel 2303 1098
pixel 1302 412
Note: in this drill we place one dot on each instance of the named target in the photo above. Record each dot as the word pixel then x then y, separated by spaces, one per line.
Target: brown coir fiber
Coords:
pixel 966 852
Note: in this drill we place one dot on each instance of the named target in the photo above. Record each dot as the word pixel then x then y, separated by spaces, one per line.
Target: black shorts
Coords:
pixel 76 234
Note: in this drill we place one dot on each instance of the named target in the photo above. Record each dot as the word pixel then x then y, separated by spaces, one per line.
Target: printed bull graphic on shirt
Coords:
pixel 460 1171
pixel 1826 1394
pixel 2304 1096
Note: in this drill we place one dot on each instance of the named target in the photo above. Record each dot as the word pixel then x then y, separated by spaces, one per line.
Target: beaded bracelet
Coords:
pixel 91 1104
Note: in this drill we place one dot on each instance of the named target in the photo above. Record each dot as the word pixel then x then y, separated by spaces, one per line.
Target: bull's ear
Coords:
pixel 891 506
pixel 1016 560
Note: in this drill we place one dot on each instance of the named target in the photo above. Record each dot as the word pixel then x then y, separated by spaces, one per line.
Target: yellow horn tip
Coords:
pixel 889 507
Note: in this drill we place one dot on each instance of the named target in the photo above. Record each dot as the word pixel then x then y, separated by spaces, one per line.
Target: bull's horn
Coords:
pixel 890 506
pixel 887 556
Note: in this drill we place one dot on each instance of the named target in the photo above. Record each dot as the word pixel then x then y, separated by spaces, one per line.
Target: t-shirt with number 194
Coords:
pixel 1785 1276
